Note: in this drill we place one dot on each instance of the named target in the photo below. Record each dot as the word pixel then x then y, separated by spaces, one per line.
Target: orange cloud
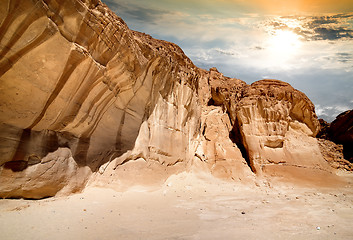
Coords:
pixel 296 6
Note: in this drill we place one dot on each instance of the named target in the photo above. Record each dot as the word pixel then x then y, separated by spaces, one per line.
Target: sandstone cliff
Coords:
pixel 83 97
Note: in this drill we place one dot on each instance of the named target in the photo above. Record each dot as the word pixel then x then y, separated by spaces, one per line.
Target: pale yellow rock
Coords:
pixel 129 109
pixel 216 148
pixel 55 174
pixel 273 129
pixel 73 75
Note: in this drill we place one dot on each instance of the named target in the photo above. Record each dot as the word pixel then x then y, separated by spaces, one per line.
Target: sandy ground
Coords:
pixel 186 207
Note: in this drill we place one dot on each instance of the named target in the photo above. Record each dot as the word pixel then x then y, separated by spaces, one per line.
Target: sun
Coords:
pixel 283 42
pixel 283 48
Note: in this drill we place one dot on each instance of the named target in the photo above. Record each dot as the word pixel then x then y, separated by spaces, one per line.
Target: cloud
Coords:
pixel 330 33
pixel 315 28
pixel 238 43
pixel 135 12
pixel 344 57
pixel 258 48
pixel 331 27
pixel 343 15
pixel 226 52
pixel 329 113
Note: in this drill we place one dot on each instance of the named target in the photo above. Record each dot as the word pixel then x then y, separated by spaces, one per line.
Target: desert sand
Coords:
pixel 187 206
pixel 90 110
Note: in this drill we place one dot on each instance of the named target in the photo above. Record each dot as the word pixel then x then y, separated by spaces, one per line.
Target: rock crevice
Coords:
pixel 85 100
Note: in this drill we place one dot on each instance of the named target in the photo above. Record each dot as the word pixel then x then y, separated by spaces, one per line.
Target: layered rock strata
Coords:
pixel 84 97
pixel 272 124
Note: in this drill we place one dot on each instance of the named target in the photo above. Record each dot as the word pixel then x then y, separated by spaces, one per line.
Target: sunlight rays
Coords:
pixel 282 47
pixel 284 42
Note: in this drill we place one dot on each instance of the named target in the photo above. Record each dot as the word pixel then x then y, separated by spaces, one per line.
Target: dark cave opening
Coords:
pixel 211 102
pixel 236 137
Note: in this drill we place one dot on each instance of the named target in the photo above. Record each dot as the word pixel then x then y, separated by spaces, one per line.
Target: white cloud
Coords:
pixel 244 45
pixel 330 112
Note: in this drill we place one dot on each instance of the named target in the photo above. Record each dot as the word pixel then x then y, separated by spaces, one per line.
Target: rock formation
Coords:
pixel 333 154
pixel 273 125
pixel 84 98
pixel 340 131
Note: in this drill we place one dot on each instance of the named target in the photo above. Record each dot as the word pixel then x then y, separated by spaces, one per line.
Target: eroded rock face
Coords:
pixel 340 131
pixel 73 75
pixel 277 125
pixel 56 173
pixel 273 124
pixel 217 146
pixel 111 105
pixel 333 154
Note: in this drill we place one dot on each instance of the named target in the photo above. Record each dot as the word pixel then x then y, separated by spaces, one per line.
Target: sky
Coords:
pixel 307 43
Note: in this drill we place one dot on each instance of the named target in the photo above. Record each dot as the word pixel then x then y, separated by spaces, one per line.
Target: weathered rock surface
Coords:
pixel 216 145
pixel 333 154
pixel 324 126
pixel 340 131
pixel 111 105
pixel 73 75
pixel 56 173
pixel 272 123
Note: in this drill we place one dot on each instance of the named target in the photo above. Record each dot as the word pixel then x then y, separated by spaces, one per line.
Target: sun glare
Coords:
pixel 283 47
pixel 284 42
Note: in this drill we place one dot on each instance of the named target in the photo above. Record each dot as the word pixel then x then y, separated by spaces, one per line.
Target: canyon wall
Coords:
pixel 341 131
pixel 336 140
pixel 85 99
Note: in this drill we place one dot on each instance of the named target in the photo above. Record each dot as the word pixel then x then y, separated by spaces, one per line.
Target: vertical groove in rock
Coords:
pixel 74 59
pixel 125 108
pixel 8 62
pixel 236 137
pixel 68 113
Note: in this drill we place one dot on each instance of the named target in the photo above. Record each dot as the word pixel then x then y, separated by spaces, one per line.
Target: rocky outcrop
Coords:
pixel 340 131
pixel 271 123
pixel 56 173
pixel 73 75
pixel 324 126
pixel 84 98
pixel 333 154
pixel 217 147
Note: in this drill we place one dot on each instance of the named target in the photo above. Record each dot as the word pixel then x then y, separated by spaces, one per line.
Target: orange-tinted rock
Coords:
pixel 277 125
pixel 106 104
pixel 74 76
pixel 273 124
